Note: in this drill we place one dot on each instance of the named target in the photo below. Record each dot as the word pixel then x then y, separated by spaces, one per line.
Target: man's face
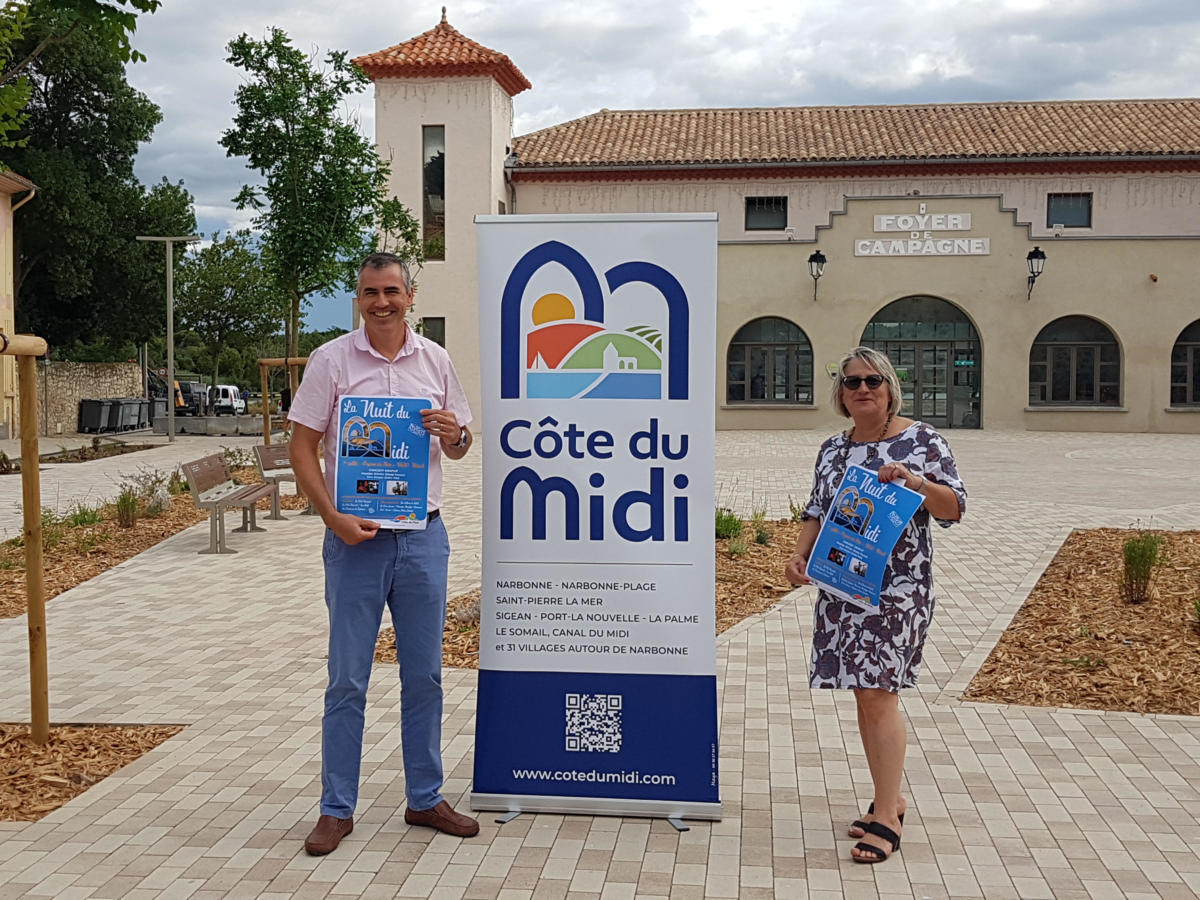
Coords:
pixel 383 300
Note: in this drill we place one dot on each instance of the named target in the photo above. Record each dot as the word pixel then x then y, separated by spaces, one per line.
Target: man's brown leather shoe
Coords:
pixel 444 819
pixel 328 834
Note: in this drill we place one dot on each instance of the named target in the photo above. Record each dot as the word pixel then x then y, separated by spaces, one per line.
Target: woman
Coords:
pixel 875 652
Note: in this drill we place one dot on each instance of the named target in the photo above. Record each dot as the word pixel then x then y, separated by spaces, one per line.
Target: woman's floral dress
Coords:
pixel 856 647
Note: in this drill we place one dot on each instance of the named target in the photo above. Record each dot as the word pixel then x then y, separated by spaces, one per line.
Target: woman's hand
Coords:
pixel 899 472
pixel 795 569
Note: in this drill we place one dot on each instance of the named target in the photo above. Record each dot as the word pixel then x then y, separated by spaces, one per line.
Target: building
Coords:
pixel 1026 265
pixel 11 184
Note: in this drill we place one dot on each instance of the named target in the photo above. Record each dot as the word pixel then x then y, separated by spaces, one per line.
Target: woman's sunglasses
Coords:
pixel 854 382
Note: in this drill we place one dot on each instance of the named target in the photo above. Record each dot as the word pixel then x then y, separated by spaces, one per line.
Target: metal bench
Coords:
pixel 213 489
pixel 274 466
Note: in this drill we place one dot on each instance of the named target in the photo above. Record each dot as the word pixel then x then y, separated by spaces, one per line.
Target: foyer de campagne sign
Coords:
pixel 922 240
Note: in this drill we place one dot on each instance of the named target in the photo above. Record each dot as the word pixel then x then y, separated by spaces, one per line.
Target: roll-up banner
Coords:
pixel 597 660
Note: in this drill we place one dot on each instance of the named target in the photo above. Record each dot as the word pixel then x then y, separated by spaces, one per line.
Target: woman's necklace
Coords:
pixel 872 449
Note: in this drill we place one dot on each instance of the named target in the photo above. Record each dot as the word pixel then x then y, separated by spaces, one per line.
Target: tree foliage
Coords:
pixel 110 23
pixel 325 188
pixel 224 298
pixel 80 274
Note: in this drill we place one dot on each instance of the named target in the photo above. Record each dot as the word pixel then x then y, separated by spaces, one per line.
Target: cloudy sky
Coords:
pixel 631 54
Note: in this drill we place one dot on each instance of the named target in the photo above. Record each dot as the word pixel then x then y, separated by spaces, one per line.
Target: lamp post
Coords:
pixel 1035 261
pixel 816 268
pixel 170 243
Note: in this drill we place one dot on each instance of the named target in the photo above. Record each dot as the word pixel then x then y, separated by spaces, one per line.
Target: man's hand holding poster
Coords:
pixel 858 534
pixel 383 460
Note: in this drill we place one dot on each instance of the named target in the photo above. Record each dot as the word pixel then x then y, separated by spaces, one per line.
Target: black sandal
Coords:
pixel 878 854
pixel 862 826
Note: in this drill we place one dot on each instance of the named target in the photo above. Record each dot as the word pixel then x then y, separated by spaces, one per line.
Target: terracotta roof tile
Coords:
pixel 443 52
pixel 833 134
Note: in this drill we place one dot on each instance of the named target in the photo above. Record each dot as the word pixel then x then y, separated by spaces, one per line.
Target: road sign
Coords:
pixel 161 371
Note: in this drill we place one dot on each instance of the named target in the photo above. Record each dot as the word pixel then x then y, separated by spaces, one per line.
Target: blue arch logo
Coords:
pixel 569 352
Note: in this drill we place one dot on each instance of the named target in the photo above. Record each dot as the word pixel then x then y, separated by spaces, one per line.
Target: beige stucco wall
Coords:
pixel 477 115
pixel 9 407
pixel 1122 204
pixel 1107 279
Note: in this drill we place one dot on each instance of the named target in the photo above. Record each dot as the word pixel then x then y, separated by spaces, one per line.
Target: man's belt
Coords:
pixel 432 514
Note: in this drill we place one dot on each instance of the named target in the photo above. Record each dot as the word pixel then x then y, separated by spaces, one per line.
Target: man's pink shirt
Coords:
pixel 350 365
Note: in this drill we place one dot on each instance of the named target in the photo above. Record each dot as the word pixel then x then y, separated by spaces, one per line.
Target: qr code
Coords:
pixel 594 723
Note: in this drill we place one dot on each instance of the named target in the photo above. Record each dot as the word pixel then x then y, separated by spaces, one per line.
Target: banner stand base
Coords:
pixel 673 811
pixel 677 824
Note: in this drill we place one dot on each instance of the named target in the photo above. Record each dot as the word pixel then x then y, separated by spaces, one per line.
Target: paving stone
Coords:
pixel 1004 801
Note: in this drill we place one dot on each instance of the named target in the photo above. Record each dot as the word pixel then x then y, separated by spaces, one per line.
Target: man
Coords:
pixel 367 567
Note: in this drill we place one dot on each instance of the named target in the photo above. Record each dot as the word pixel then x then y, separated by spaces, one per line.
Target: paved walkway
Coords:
pixel 66 486
pixel 1004 801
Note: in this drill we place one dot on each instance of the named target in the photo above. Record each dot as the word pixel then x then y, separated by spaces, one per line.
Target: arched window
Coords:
pixel 1075 360
pixel 1185 367
pixel 770 361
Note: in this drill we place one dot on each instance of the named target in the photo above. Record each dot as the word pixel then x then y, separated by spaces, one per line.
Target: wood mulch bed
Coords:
pixel 100 448
pixel 38 779
pixel 1076 643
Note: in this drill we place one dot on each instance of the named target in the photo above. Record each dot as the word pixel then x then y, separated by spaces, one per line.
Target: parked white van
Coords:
pixel 226 398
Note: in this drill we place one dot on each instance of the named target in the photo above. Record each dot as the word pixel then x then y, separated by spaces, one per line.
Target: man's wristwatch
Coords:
pixel 463 439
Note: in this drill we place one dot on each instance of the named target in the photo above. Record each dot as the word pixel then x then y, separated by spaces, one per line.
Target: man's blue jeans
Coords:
pixel 406 570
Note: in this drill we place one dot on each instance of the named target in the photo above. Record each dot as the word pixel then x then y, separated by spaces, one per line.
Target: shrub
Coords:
pixel 238 457
pixel 53 528
pixel 82 516
pixel 728 524
pixel 759 521
pixel 88 540
pixel 797 509
pixel 177 483
pixel 1143 554
pixel 158 502
pixel 737 546
pixel 127 508
pixel 145 482
pixel 467 615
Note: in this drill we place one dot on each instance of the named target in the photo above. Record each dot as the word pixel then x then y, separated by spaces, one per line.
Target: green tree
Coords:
pixel 110 23
pixel 80 274
pixel 224 298
pixel 325 189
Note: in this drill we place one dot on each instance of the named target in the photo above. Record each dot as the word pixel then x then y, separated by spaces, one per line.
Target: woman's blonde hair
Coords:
pixel 877 361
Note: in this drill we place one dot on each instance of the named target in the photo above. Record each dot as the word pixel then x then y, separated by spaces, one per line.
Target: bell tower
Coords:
pixel 443 119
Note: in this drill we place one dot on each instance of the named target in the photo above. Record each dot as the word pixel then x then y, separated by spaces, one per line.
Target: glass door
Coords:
pixel 932 381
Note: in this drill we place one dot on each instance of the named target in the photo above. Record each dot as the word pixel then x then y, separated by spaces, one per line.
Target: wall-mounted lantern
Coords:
pixel 1035 261
pixel 816 268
